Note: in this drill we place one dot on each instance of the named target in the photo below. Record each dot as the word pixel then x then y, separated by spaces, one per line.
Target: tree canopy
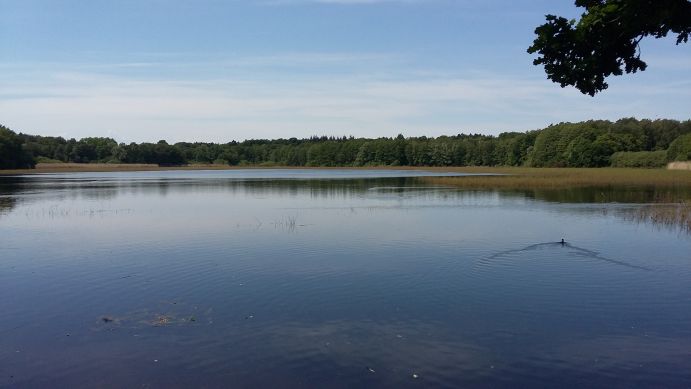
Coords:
pixel 594 143
pixel 12 153
pixel 605 41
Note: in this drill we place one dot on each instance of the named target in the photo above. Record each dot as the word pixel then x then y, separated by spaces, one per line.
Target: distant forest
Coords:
pixel 596 143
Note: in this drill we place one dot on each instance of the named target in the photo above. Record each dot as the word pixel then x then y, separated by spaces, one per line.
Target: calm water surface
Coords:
pixel 334 279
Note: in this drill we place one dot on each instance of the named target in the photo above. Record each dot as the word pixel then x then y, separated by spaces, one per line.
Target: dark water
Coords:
pixel 334 279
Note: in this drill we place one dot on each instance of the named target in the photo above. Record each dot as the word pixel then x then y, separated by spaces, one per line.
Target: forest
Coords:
pixel 596 143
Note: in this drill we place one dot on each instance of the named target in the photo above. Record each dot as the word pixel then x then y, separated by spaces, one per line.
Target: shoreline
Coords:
pixel 509 177
pixel 46 168
pixel 71 167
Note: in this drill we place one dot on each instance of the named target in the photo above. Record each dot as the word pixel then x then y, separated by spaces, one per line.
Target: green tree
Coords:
pixel 12 154
pixel 583 144
pixel 580 152
pixel 167 155
pixel 102 147
pixel 680 149
pixel 202 154
pixel 83 153
pixel 605 41
pixel 640 159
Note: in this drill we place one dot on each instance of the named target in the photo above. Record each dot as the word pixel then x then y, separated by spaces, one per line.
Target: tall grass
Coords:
pixel 558 178
pixel 670 207
pixel 672 216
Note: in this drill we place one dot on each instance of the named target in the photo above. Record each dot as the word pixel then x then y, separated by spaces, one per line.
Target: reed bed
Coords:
pixel 670 216
pixel 505 177
pixel 560 178
pixel 671 206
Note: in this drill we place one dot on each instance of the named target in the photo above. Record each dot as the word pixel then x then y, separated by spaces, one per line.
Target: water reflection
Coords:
pixel 9 187
pixel 609 194
pixel 6 204
pixel 190 281
pixel 649 205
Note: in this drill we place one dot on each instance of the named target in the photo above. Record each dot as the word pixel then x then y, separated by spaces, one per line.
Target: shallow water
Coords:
pixel 311 278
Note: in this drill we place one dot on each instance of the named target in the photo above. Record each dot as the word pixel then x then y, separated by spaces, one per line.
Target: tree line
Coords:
pixel 596 143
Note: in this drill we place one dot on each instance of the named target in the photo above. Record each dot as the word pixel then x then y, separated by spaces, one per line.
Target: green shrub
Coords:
pixel 680 149
pixel 47 160
pixel 12 153
pixel 646 159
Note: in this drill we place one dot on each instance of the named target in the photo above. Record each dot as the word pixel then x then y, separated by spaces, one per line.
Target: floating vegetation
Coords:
pixel 57 212
pixel 161 320
pixel 166 315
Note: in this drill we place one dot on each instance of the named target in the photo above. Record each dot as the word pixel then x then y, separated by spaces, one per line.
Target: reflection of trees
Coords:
pixel 6 204
pixel 661 207
pixel 8 188
pixel 649 205
pixel 331 188
pixel 344 187
pixel 98 189
pixel 608 194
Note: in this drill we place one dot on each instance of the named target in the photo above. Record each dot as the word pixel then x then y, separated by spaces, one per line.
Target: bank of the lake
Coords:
pixel 535 178
pixel 483 178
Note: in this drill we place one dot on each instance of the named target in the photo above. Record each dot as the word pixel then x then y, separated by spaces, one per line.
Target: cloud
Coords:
pixel 202 105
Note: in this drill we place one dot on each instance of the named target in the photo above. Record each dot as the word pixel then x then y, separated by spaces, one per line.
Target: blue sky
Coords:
pixel 213 70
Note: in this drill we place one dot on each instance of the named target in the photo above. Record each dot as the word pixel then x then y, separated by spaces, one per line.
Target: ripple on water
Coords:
pixel 556 280
pixel 387 287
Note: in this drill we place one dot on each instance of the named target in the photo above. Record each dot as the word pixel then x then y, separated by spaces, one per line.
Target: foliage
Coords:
pixel 680 149
pixel 584 144
pixel 592 143
pixel 643 159
pixel 12 153
pixel 526 178
pixel 605 41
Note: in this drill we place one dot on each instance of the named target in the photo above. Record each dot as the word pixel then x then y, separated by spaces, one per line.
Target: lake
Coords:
pixel 335 279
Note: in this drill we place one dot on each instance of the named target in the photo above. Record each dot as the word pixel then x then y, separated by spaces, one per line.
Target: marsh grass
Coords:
pixel 669 207
pixel 670 186
pixel 561 178
pixel 288 223
pixel 670 216
pixel 503 177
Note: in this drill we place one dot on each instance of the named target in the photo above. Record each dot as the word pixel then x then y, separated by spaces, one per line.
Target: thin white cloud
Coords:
pixel 166 61
pixel 77 105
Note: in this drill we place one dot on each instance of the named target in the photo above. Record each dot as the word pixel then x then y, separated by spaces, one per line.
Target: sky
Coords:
pixel 213 70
